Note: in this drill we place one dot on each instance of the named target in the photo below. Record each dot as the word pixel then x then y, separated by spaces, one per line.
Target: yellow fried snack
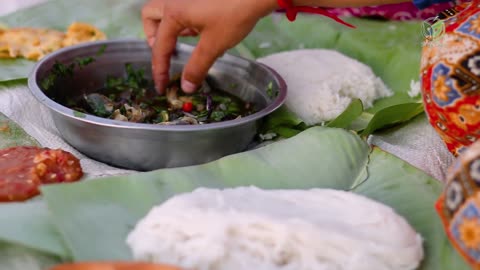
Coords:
pixel 82 32
pixel 35 43
pixel 29 43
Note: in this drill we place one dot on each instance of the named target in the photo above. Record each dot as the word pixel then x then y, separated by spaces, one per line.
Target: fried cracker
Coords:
pixel 81 32
pixel 35 43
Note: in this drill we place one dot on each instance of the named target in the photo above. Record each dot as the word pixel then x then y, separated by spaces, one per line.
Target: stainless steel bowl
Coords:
pixel 146 146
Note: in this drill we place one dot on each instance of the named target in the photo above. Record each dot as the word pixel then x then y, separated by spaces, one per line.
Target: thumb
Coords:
pixel 201 60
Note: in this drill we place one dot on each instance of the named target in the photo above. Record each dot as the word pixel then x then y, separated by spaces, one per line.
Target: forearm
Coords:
pixel 345 3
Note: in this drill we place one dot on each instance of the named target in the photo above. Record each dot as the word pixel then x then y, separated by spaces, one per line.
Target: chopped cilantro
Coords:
pixel 135 78
pixel 218 115
pixel 113 82
pixel 270 92
pixel 101 50
pixel 49 81
pixel 60 70
pixel 82 62
pixel 79 114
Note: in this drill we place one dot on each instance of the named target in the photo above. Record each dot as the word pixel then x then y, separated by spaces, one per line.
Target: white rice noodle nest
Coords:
pixel 322 83
pixel 248 228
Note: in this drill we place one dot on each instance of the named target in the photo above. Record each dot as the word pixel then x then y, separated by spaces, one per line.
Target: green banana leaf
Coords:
pixel 13 135
pixel 29 225
pixel 412 195
pixel 19 258
pixel 286 164
pixel 393 115
pixel 105 210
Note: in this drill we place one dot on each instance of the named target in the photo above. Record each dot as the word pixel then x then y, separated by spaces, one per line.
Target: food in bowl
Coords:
pixel 24 169
pixel 145 147
pixel 132 98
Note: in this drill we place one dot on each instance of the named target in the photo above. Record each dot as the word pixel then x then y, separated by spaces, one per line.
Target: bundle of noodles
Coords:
pixel 249 228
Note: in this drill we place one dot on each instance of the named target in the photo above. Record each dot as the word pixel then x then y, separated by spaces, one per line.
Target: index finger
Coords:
pixel 151 17
pixel 163 49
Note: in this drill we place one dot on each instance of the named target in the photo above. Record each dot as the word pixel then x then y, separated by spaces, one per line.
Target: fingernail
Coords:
pixel 151 41
pixel 188 87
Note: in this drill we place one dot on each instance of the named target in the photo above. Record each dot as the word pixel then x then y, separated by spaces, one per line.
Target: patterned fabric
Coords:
pixel 450 75
pixel 400 12
pixel 459 205
pixel 421 4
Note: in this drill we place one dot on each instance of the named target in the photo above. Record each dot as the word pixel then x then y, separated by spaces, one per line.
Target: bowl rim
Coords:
pixel 35 89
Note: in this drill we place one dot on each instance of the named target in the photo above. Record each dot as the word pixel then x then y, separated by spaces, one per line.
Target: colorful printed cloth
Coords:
pixel 459 205
pixel 450 75
pixel 451 93
pixel 401 12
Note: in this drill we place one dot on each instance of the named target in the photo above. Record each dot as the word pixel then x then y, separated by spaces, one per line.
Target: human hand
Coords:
pixel 221 25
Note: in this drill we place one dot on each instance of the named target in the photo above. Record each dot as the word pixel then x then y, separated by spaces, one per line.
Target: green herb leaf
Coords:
pixel 82 62
pixel 352 112
pixel 112 82
pixel 281 117
pixel 286 132
pixel 393 115
pixel 101 51
pixel 48 82
pixel 79 114
pixel 100 105
pixel 135 78
pixel 217 115
pixel 361 122
pixel 270 91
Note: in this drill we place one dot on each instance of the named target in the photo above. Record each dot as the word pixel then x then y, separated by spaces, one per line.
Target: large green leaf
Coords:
pixel 104 211
pixel 412 194
pixel 83 210
pixel 332 158
pixel 29 225
pixel 118 19
pixel 19 258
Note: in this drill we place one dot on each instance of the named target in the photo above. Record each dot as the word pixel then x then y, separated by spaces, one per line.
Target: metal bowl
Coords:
pixel 147 146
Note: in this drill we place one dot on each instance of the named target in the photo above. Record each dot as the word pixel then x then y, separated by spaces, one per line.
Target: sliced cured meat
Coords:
pixel 18 178
pixel 24 169
pixel 57 166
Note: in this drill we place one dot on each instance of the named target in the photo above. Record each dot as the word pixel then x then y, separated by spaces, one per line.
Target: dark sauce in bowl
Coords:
pixel 133 98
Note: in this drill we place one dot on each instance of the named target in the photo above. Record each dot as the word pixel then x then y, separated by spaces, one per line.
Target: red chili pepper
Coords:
pixel 187 107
